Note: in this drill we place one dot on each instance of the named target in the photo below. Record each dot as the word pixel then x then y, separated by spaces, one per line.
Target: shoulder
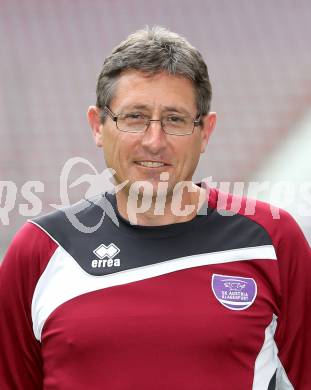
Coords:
pixel 29 252
pixel 280 225
pixel 85 216
pixel 36 241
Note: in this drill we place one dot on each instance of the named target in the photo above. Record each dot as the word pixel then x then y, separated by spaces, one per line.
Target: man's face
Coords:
pixel 130 154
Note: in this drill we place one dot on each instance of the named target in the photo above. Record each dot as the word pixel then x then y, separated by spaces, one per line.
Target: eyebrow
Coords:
pixel 165 108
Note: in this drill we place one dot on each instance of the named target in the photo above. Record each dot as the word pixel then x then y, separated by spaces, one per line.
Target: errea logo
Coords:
pixel 106 256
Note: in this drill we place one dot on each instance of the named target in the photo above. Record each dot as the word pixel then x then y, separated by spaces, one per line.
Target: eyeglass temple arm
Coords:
pixel 110 113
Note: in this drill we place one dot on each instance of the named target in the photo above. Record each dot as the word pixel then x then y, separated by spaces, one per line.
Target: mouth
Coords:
pixel 151 164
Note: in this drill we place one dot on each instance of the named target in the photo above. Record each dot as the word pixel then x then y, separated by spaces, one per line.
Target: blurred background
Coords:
pixel 259 60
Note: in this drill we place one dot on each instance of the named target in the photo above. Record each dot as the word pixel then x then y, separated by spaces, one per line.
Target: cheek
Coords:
pixel 191 150
pixel 191 159
pixel 200 144
pixel 118 149
pixel 110 147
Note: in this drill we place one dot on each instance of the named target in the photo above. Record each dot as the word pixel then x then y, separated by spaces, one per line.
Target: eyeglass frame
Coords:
pixel 114 117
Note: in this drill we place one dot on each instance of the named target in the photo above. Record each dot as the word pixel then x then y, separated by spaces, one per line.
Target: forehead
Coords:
pixel 154 91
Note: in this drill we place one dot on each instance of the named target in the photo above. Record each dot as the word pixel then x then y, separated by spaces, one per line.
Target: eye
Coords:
pixel 133 116
pixel 175 119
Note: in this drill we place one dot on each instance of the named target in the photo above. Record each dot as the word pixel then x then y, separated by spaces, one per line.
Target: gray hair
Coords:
pixel 154 50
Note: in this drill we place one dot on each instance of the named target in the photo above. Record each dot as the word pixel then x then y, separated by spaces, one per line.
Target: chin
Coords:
pixel 143 187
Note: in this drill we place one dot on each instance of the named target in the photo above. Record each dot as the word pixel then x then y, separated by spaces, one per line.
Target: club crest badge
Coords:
pixel 234 292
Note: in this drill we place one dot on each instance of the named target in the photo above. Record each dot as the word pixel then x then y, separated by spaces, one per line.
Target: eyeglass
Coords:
pixel 136 122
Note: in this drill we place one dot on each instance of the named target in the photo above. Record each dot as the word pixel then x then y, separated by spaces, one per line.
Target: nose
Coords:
pixel 154 139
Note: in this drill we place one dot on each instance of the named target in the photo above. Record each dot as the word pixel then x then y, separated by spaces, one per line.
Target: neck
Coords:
pixel 165 210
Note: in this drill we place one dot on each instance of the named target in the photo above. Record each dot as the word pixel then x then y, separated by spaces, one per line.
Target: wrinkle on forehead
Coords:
pixel 140 90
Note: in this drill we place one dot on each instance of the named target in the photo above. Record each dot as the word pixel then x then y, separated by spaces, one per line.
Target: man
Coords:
pixel 176 295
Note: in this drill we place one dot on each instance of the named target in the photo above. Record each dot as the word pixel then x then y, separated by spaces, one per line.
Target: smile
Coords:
pixel 150 164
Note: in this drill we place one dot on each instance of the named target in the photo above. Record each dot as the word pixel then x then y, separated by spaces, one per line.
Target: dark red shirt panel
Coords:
pixel 165 332
pixel 25 260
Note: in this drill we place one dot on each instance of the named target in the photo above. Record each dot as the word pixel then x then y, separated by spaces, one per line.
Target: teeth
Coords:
pixel 150 164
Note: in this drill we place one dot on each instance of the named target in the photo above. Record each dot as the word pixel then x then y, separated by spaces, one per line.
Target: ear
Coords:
pixel 209 123
pixel 93 116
